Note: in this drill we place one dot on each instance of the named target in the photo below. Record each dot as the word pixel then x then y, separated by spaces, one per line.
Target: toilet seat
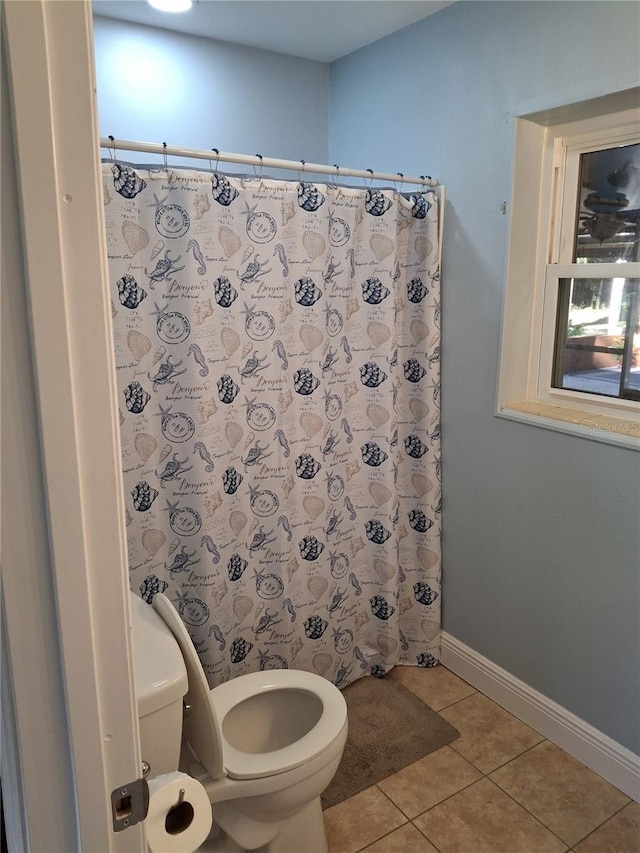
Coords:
pixel 204 719
pixel 239 764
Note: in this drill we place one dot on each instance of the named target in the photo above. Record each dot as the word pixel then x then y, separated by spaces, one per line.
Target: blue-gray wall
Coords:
pixel 158 86
pixel 541 529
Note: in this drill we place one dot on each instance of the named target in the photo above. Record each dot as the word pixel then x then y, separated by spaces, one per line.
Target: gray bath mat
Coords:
pixel 389 728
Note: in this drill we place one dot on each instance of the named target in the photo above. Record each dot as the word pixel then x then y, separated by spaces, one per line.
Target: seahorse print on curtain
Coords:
pixel 277 347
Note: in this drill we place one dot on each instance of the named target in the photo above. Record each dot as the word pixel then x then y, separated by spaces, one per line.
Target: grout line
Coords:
pixel 449 797
pixel 515 757
pixel 451 704
pixel 535 817
pixel 424 835
pixel 596 828
pixel 395 805
pixel 385 834
pixel 458 701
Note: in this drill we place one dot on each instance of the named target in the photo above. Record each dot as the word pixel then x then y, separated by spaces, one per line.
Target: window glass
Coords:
pixel 608 221
pixel 598 337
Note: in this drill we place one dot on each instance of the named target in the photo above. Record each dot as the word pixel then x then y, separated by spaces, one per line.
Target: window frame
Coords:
pixel 543 211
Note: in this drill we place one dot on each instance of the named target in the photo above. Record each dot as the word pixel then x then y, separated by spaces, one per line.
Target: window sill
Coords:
pixel 622 432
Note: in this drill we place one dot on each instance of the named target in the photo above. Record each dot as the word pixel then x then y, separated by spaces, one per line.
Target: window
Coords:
pixel 597 344
pixel 571 328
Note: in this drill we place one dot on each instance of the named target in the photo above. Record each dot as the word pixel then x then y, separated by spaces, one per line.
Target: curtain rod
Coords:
pixel 165 150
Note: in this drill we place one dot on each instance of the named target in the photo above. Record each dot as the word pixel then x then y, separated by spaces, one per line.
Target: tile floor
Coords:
pixel 499 788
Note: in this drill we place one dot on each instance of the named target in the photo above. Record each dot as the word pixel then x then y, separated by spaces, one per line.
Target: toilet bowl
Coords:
pixel 264 745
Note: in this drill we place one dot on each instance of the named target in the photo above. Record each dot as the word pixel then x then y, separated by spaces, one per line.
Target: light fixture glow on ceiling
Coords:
pixel 170 5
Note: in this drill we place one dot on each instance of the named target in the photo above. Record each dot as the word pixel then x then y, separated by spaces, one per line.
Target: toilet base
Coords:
pixel 304 828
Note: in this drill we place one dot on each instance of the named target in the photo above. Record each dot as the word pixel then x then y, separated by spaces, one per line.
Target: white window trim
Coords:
pixel 545 145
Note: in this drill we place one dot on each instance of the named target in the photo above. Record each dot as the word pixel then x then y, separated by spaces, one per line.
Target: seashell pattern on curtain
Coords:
pixel 277 347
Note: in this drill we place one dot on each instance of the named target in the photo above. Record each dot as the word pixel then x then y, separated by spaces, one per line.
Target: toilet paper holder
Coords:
pixel 180 816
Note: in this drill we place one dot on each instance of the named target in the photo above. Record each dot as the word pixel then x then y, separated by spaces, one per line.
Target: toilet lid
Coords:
pixel 247 765
pixel 200 727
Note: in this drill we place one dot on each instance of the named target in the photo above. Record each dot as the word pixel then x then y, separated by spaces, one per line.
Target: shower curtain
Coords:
pixel 277 348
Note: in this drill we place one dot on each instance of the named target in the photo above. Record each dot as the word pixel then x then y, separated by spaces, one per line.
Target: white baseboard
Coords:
pixel 609 759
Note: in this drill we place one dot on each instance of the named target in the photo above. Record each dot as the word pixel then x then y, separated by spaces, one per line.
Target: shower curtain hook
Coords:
pixel 112 151
pixel 370 179
pixel 217 153
pixel 395 186
pixel 258 174
pixel 301 172
pixel 337 174
pixel 164 157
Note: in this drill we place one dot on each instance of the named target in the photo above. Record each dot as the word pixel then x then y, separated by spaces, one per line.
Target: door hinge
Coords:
pixel 129 804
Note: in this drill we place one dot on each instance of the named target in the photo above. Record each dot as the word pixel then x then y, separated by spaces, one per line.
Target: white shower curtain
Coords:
pixel 277 348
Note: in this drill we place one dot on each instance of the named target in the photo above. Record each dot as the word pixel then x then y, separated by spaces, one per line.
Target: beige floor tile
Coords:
pixel 435 685
pixel 426 782
pixel 489 735
pixel 621 834
pixel 407 839
pixel 360 820
pixel 562 793
pixel 483 819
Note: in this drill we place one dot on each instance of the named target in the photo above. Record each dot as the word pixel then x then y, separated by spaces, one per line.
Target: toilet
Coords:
pixel 264 745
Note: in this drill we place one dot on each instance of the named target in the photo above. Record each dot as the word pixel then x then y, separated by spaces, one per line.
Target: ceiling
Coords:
pixel 322 30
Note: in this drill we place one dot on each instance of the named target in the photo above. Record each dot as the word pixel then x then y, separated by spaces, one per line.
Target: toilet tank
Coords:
pixel 160 679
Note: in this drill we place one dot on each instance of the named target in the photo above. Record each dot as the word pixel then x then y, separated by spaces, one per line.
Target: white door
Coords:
pixel 66 620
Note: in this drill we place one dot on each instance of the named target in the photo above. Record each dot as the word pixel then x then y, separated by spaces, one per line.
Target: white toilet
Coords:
pixel 264 745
